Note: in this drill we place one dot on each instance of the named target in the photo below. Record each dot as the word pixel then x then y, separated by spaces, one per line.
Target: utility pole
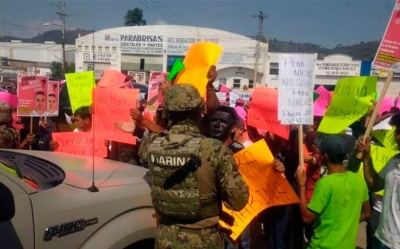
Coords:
pixel 62 14
pixel 261 17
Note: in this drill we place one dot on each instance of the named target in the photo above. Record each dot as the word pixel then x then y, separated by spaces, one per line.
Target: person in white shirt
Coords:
pixel 52 105
pixel 387 234
pixel 40 104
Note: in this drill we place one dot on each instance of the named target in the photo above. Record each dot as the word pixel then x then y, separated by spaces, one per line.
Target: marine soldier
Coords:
pixel 190 175
pixel 9 137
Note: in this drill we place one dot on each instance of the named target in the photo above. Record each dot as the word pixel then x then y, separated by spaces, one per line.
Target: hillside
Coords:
pixel 361 51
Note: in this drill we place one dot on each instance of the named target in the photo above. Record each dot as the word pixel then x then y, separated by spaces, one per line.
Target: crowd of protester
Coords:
pixel 333 199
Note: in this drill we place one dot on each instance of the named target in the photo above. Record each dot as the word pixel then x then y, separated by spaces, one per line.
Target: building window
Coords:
pixel 93 48
pixel 251 83
pixel 274 65
pixel 114 49
pixel 100 49
pixel 236 83
pixel 86 48
pixel 80 48
pixel 274 71
pixel 106 49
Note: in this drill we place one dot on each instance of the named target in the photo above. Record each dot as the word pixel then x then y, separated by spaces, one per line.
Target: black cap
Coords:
pixel 335 144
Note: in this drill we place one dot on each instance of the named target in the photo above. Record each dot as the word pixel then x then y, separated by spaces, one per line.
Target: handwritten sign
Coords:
pixel 80 86
pixel 113 105
pixel 380 157
pixel 386 138
pixel 154 96
pixel 387 56
pixel 296 85
pixel 267 187
pixel 32 95
pixel 111 78
pixel 263 112
pixel 198 60
pixel 9 98
pixel 353 96
pixel 79 143
pixel 322 102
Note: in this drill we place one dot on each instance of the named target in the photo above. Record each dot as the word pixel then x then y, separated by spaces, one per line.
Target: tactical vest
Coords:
pixel 181 203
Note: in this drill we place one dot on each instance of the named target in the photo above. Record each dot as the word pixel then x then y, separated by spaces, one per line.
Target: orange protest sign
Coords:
pixel 263 112
pixel 112 78
pixel 111 106
pixel 267 187
pixel 198 60
pixel 79 143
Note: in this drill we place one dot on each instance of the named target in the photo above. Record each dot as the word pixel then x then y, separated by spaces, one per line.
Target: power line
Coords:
pixel 17 25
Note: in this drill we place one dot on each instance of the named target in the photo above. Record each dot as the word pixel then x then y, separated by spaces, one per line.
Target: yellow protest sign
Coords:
pixel 267 187
pixel 386 138
pixel 80 86
pixel 351 99
pixel 380 157
pixel 198 60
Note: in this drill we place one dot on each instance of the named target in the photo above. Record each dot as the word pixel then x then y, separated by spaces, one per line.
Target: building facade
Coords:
pixel 138 50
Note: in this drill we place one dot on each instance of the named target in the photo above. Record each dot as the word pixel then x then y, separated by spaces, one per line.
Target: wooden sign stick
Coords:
pixel 301 152
pixel 376 109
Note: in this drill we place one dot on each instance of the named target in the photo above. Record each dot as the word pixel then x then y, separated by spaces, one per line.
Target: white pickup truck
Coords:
pixel 45 202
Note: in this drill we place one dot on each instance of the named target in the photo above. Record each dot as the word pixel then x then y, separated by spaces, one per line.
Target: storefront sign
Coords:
pixel 98 57
pixel 142 44
pixel 337 68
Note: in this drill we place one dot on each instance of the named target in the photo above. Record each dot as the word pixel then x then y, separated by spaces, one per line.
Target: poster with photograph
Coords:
pixel 141 78
pixel 32 95
pixel 133 75
pixel 53 94
pixel 154 97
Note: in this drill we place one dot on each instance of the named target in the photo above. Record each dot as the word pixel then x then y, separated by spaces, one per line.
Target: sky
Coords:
pixel 324 22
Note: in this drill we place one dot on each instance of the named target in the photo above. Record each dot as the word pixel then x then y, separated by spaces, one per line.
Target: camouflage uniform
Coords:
pixel 190 210
pixel 9 137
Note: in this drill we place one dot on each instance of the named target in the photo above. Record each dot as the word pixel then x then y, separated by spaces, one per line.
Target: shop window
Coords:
pixel 251 83
pixel 236 83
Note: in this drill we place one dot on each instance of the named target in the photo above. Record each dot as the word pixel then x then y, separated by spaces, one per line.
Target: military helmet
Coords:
pixel 182 98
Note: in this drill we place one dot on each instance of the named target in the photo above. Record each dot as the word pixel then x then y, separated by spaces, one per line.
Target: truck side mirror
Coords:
pixel 7 205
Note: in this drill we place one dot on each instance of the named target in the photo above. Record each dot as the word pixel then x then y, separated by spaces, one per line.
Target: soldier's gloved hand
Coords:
pixel 136 115
pixel 278 166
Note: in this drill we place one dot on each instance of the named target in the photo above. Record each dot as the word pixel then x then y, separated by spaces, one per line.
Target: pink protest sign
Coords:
pixel 53 94
pixel 154 97
pixel 111 78
pixel 224 89
pixel 32 95
pixel 387 103
pixel 388 51
pixel 322 102
pixel 9 98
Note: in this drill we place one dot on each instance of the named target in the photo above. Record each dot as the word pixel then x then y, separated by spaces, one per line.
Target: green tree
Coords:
pixel 134 18
pixel 56 66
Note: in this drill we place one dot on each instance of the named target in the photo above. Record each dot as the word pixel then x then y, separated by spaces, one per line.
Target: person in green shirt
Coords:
pixel 339 201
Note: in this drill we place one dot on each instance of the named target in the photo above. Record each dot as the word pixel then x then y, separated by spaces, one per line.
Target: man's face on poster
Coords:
pixel 40 103
pixel 51 103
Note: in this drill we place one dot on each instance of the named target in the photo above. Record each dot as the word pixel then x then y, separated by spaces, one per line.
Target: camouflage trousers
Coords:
pixel 174 237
